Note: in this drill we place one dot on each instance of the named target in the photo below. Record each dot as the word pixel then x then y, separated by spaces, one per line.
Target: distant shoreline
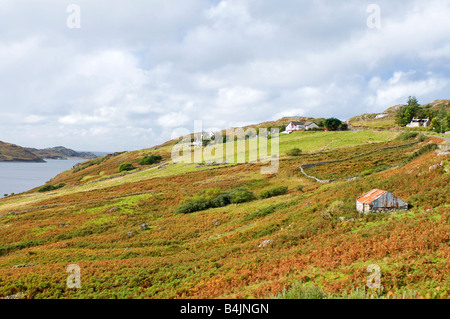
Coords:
pixel 44 160
pixel 22 161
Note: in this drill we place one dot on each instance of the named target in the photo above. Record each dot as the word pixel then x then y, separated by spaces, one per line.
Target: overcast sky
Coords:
pixel 137 70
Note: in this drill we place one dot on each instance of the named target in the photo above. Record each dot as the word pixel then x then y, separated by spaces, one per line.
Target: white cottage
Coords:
pixel 311 126
pixel 378 200
pixel 419 122
pixel 295 126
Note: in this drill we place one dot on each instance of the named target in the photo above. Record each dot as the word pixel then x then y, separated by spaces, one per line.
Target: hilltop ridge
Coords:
pixel 60 152
pixel 14 153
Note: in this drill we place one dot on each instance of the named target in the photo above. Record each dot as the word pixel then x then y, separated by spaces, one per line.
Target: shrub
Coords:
pixel 302 291
pixel 406 136
pixel 294 152
pixel 191 207
pixel 213 198
pixel 240 195
pixel 208 194
pixel 47 188
pixel 221 200
pixel 332 124
pixel 381 167
pixel 277 191
pixel 367 172
pixel 300 188
pixel 422 138
pixel 149 160
pixel 126 167
pixel 333 210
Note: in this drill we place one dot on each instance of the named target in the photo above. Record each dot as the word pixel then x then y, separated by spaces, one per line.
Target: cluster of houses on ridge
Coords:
pixel 291 127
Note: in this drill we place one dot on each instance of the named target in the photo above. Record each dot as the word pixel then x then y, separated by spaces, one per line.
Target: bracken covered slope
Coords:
pixel 311 234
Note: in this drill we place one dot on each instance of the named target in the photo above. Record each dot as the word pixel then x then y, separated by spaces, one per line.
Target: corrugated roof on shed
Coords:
pixel 371 196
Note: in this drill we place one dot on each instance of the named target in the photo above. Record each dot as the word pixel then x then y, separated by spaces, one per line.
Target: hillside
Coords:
pixel 60 152
pixel 14 153
pixel 123 231
pixel 386 119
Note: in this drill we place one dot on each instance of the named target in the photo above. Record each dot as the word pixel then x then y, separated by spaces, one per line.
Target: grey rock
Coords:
pixel 266 243
pixel 113 209
pixel 434 167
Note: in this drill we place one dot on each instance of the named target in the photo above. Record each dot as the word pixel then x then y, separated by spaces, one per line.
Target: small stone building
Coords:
pixel 379 201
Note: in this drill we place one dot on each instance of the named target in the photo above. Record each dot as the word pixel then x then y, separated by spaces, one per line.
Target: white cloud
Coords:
pixel 135 70
pixel 81 119
pixel 239 96
pixel 401 85
pixel 290 112
pixel 34 119
pixel 173 120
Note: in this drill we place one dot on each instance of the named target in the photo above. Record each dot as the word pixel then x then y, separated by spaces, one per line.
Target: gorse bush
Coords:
pixel 149 160
pixel 47 188
pixel 277 191
pixel 126 167
pixel 213 198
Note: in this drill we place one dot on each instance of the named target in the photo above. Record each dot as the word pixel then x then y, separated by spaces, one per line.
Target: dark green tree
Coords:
pixel 406 113
pixel 332 124
pixel 126 167
pixel 149 160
